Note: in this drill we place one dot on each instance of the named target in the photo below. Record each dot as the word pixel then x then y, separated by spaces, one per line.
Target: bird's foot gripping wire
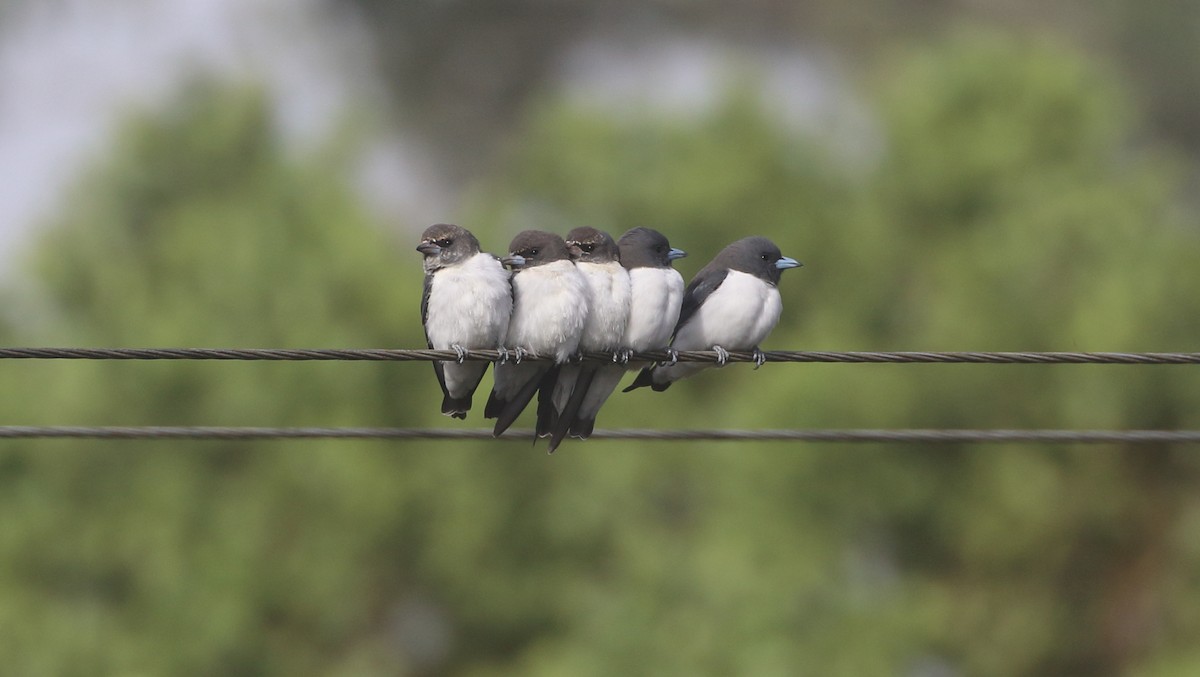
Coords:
pixel 760 358
pixel 460 351
pixel 722 355
pixel 516 354
pixel 672 357
pixel 621 356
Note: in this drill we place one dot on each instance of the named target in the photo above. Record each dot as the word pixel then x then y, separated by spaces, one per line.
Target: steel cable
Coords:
pixel 405 355
pixel 911 436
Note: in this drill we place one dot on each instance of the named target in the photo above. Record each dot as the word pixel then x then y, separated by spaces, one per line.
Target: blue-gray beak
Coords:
pixel 785 263
pixel 675 254
pixel 513 260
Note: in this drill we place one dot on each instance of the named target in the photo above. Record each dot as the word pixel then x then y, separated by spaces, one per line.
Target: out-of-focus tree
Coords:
pixel 1049 227
pixel 166 558
pixel 1012 209
pixel 1159 46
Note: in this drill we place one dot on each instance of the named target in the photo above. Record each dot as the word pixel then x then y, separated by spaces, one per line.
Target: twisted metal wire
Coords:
pixel 910 436
pixel 402 355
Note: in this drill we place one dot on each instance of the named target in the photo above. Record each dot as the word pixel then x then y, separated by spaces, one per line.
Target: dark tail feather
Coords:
pixel 582 428
pixel 566 417
pixel 645 378
pixel 456 407
pixel 512 408
pixel 547 415
pixel 451 406
pixel 494 406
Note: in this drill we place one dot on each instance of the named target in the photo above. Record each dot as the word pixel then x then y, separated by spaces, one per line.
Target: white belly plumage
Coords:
pixel 737 316
pixel 549 309
pixel 656 295
pixel 469 304
pixel 608 292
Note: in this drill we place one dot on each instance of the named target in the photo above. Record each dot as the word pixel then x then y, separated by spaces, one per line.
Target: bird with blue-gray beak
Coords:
pixel 466 305
pixel 733 303
pixel 550 306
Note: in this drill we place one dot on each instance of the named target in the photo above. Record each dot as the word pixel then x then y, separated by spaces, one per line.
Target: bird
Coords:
pixel 656 295
pixel 731 304
pixel 466 304
pixel 550 306
pixel 598 258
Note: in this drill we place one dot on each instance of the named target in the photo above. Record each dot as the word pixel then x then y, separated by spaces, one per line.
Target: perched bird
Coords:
pixel 597 257
pixel 550 306
pixel 655 298
pixel 731 304
pixel 466 305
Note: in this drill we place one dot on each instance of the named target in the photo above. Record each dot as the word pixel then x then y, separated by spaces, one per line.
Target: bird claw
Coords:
pixel 760 358
pixel 622 356
pixel 516 354
pixel 460 352
pixel 722 355
pixel 672 357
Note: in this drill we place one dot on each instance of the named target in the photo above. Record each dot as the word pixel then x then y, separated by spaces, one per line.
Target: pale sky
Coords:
pixel 69 69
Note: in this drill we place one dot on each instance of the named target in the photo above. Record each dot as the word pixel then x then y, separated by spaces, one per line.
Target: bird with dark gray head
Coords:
pixel 656 294
pixel 466 305
pixel 657 288
pixel 731 304
pixel 598 259
pixel 550 307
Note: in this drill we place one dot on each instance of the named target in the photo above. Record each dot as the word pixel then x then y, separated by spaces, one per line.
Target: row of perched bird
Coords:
pixel 587 293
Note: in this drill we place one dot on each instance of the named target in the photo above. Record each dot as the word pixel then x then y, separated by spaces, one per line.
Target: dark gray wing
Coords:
pixel 506 411
pixel 701 287
pixel 425 306
pixel 569 416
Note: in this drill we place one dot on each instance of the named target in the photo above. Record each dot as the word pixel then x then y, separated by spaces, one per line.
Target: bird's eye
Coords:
pixel 763 257
pixel 444 242
pixel 533 252
pixel 587 247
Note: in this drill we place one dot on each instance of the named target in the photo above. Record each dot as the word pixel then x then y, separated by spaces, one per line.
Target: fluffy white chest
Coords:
pixel 655 299
pixel 737 316
pixel 469 304
pixel 608 302
pixel 550 306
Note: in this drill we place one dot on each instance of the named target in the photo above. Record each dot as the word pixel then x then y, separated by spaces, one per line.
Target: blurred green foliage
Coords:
pixel 1012 208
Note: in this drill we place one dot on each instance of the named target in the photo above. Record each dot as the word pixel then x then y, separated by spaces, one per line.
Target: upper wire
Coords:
pixel 406 355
